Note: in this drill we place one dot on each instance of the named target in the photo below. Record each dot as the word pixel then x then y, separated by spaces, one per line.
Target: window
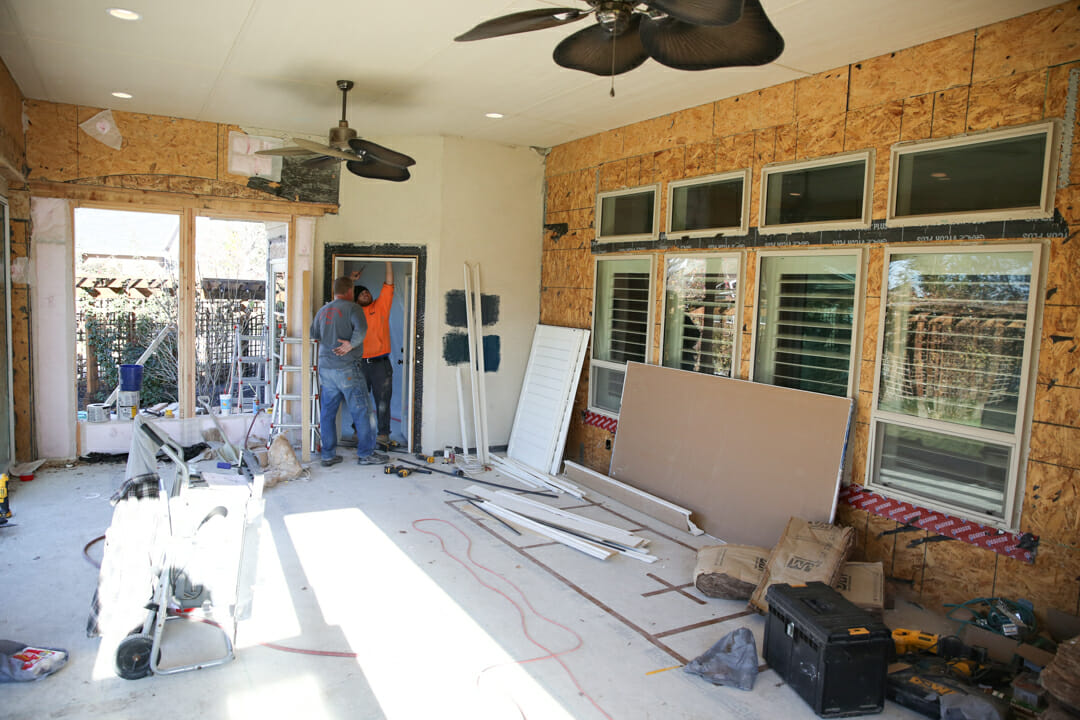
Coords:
pixel 701 313
pixel 827 194
pixel 997 175
pixel 622 317
pixel 627 214
pixel 804 329
pixel 711 205
pixel 952 378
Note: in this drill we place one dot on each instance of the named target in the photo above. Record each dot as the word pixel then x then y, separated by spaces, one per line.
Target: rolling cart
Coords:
pixel 177 550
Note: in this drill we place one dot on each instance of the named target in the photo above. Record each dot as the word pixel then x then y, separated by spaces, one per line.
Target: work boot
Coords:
pixel 375 458
pixel 327 462
pixel 347 441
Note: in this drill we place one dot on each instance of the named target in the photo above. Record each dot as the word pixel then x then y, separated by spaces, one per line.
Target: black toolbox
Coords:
pixel 832 653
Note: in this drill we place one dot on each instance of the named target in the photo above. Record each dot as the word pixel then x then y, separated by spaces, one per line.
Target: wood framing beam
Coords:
pixel 143 199
pixel 185 321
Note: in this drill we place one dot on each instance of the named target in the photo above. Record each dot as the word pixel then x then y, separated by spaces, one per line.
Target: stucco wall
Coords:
pixel 1003 75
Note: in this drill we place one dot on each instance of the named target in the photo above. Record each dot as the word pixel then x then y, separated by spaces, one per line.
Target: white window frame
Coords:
pixel 744 216
pixel 740 274
pixel 860 223
pixel 653 234
pixel 1045 208
pixel 607 364
pixel 856 312
pixel 1018 446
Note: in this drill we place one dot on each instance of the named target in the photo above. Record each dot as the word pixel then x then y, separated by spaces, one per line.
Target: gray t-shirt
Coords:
pixel 339 320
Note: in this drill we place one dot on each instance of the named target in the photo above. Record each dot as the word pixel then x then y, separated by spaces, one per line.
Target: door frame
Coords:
pixel 417 254
pixel 9 358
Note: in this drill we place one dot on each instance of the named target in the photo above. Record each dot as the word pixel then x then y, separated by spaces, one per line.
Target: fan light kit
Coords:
pixel 362 157
pixel 682 34
pixel 123 14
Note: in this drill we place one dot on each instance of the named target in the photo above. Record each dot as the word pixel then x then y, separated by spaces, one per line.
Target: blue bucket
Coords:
pixel 131 378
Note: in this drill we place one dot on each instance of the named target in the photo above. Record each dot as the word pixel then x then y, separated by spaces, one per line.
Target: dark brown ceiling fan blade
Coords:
pixel 700 12
pixel 751 41
pixel 369 168
pixel 383 154
pixel 284 151
pixel 321 162
pixel 522 22
pixel 592 49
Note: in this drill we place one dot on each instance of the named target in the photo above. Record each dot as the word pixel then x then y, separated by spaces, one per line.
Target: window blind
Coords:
pixel 701 324
pixel 629 317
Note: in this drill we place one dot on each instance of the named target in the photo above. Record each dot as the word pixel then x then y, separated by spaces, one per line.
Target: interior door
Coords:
pixel 7 417
pixel 372 271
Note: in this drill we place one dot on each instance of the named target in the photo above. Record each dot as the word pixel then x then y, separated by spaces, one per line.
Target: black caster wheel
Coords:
pixel 133 656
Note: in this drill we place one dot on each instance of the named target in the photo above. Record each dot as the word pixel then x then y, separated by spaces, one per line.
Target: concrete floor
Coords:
pixel 440 612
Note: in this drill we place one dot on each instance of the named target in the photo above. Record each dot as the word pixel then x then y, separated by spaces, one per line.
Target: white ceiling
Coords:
pixel 274 63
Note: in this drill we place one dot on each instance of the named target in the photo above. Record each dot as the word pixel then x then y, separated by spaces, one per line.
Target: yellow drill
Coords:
pixel 5 506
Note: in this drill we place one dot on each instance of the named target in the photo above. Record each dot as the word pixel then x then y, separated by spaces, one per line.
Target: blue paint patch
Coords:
pixel 492 353
pixel 455 309
pixel 455 348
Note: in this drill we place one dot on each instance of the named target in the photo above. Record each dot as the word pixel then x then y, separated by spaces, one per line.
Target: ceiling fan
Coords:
pixel 361 157
pixel 682 34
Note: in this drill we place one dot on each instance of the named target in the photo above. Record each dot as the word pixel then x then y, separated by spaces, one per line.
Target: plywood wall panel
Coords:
pixel 735 115
pixel 597 448
pixel 612 176
pixel 874 127
pixel 857 452
pixel 864 403
pixel 566 307
pixel 685 127
pixel 1036 40
pixel 51 142
pixel 1025 94
pixel 925 68
pixel 857 520
pixel 1055 444
pixel 879 547
pixel 1052 581
pixel 1059 356
pixel 867 369
pixel 1057 404
pixel 871 319
pixel 776 105
pixel 822 96
pixel 955 572
pixel 918 117
pixel 669 164
pixel 191 185
pixel 153 144
pixel 735 152
pixel 580 218
pixel 950 112
pixel 1063 273
pixel 908 562
pixel 567 268
pixel 1051 499
pixel 1057 90
pixel 700 159
pixel 21 370
pixel 1068 203
pixel 787 140
pixel 12 137
pixel 820 138
pixel 570 240
pixel 639 170
pixel 583 153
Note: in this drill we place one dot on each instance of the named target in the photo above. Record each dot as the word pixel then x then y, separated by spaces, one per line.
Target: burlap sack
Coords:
pixel 807 551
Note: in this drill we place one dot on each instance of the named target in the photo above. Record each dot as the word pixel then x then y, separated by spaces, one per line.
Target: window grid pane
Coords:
pixel 806 324
pixel 707 206
pixel 817 194
pixel 953 342
pixel 701 324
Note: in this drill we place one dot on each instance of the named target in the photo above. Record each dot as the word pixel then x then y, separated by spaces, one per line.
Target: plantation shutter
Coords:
pixel 701 324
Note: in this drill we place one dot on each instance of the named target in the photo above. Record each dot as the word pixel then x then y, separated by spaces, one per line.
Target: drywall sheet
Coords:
pixel 743 457
pixel 538 436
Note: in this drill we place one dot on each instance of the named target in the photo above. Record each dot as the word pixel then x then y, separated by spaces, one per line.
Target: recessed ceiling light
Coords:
pixel 123 95
pixel 795 194
pixel 493 116
pixel 123 14
pixel 939 175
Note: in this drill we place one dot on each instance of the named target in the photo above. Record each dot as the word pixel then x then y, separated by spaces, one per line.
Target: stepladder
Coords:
pixel 288 394
pixel 249 376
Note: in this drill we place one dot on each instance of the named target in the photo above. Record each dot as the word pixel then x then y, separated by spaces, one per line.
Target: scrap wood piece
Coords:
pixel 653 506
pixel 533 477
pixel 589 548
pixel 744 456
pixel 568 520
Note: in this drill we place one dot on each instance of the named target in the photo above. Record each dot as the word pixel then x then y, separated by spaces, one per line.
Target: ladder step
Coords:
pixel 287 397
pixel 291 426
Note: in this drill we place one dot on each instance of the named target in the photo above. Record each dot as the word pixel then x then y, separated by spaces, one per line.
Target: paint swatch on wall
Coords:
pixel 456 350
pixel 455 309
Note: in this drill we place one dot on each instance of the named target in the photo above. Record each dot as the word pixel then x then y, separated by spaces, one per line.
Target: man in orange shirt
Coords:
pixel 375 364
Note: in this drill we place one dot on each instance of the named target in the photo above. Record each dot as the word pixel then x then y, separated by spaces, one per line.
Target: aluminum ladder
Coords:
pixel 280 419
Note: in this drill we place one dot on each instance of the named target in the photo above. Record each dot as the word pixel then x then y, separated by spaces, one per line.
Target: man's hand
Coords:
pixel 344 348
pixel 354 275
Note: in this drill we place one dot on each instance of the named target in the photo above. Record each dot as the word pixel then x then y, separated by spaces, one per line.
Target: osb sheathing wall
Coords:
pixel 12 171
pixel 1003 75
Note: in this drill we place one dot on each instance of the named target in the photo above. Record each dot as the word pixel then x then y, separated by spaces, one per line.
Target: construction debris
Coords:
pixel 807 551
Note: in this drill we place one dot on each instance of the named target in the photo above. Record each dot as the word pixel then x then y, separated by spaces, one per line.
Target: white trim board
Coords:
pixel 542 420
pixel 664 511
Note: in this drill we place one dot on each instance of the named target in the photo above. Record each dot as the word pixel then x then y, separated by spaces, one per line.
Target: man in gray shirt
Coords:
pixel 339 326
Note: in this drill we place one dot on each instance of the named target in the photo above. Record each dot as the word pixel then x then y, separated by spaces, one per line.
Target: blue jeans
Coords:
pixel 337 385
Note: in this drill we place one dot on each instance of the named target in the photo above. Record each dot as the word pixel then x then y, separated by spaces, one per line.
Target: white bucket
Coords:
pixel 226 404
pixel 96 413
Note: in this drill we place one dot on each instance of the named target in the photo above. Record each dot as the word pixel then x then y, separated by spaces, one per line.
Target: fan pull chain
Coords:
pixel 612 64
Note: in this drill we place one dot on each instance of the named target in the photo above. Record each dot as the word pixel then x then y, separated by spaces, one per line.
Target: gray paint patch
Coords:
pixel 456 350
pixel 455 309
